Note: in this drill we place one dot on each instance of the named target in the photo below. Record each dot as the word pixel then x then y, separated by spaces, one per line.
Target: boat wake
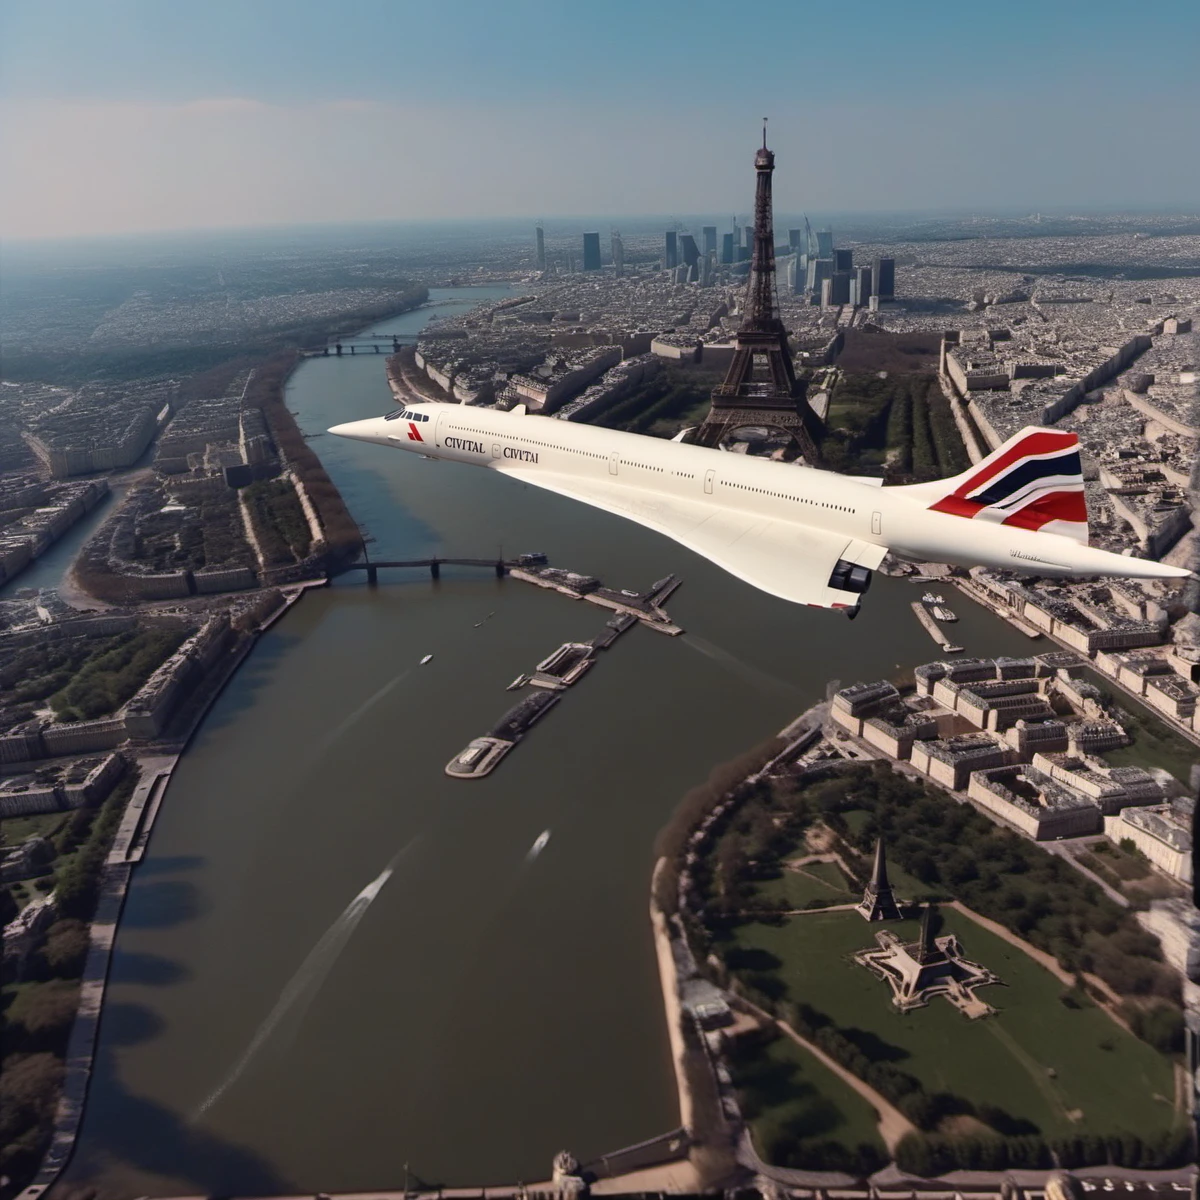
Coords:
pixel 300 991
pixel 538 846
pixel 357 715
pixel 754 675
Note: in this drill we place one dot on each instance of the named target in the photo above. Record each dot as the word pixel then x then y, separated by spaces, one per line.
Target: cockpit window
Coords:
pixel 393 416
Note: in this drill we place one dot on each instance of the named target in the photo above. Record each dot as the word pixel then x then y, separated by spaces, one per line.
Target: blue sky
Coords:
pixel 127 115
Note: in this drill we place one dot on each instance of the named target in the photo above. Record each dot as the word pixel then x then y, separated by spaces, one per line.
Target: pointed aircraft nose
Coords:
pixel 370 430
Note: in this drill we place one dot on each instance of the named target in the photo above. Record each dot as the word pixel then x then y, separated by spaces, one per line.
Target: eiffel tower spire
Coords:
pixel 760 386
pixel 878 902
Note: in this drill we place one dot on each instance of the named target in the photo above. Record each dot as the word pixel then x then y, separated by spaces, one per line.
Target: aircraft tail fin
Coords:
pixel 1033 481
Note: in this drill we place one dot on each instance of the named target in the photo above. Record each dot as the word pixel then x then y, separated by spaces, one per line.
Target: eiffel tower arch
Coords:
pixel 760 387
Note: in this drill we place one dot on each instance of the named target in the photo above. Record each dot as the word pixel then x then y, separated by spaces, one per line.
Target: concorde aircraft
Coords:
pixel 809 536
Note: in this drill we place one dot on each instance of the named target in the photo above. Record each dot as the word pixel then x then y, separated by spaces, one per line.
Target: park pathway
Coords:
pixel 893 1124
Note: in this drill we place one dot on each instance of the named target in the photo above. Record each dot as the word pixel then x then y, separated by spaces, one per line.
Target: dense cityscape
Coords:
pixel 934 935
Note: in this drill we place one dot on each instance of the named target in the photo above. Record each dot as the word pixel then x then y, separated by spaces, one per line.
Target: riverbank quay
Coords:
pixel 127 850
pixel 888 1184
pixel 696 1010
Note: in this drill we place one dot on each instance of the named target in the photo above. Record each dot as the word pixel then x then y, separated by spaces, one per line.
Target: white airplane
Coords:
pixel 809 536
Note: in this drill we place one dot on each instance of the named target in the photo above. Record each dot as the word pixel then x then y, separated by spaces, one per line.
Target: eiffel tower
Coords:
pixel 760 387
pixel 878 902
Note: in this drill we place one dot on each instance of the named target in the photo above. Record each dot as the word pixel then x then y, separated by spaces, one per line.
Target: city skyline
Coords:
pixel 274 116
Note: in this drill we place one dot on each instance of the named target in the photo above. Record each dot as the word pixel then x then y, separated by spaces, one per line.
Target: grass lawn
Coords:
pixel 786 1088
pixel 17 829
pixel 1115 1080
pixel 811 886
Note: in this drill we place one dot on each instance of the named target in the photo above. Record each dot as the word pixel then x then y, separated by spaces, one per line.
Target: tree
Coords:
pixel 41 1014
pixel 66 948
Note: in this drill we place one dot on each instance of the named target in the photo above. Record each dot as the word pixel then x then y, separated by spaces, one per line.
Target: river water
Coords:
pixel 335 960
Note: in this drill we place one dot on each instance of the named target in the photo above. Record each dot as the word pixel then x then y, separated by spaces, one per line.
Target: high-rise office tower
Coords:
pixel 800 274
pixel 885 278
pixel 671 259
pixel 760 387
pixel 688 250
pixel 727 247
pixel 540 235
pixel 618 253
pixel 794 240
pixel 748 239
pixel 710 238
pixel 591 252
pixel 819 269
pixel 843 260
pixel 839 287
pixel 707 268
pixel 824 243
pixel 860 291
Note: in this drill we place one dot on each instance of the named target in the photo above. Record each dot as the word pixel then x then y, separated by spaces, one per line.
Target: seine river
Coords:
pixel 336 961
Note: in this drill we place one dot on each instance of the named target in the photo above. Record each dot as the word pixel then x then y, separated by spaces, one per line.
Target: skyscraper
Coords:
pixel 760 387
pixel 839 287
pixel 794 240
pixel 819 269
pixel 885 278
pixel 727 247
pixel 688 249
pixel 748 240
pixel 591 252
pixel 671 259
pixel 618 252
pixel 710 238
pixel 541 248
pixel 824 243
pixel 860 287
pixel 843 260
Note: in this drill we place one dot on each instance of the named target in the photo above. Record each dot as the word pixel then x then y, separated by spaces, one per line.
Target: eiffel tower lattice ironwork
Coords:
pixel 760 387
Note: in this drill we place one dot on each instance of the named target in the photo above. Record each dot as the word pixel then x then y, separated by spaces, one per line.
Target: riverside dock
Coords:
pixel 641 606
pixel 563 667
pixel 933 629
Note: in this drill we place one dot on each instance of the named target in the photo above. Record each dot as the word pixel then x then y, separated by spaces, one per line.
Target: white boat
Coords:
pixel 944 614
pixel 425 659
pixel 538 846
pixel 929 598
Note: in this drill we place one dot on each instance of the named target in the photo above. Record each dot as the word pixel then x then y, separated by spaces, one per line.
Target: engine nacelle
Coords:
pixel 849 577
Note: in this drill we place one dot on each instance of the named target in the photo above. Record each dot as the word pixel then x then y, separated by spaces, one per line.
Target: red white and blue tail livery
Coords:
pixel 1033 481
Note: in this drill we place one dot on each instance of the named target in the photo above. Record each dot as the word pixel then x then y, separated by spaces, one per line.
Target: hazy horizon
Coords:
pixel 129 117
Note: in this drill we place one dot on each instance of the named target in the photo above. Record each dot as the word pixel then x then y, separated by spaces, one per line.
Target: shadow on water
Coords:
pixel 149 970
pixel 143 1136
pixel 161 904
pixel 177 862
pixel 127 1137
pixel 241 694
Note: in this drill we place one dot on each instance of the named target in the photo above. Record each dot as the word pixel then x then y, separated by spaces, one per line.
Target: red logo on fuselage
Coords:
pixel 413 433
